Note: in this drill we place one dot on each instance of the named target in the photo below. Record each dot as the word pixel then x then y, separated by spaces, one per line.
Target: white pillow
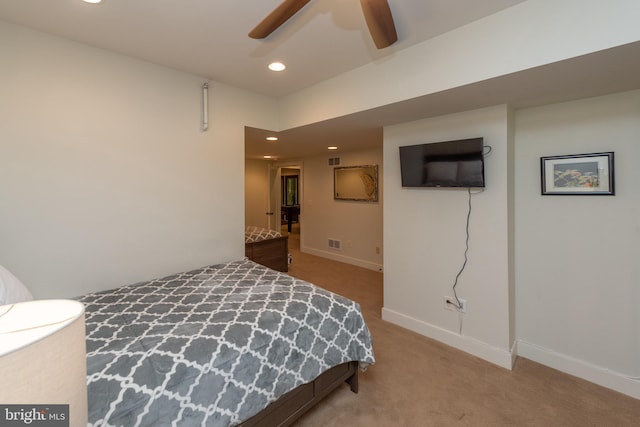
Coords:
pixel 11 289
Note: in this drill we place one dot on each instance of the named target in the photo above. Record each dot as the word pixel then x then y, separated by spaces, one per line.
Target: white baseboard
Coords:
pixel 341 258
pixel 502 358
pixel 506 359
pixel 581 369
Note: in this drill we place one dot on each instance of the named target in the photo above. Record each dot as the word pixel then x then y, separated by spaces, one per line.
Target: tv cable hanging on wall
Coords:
pixel 457 303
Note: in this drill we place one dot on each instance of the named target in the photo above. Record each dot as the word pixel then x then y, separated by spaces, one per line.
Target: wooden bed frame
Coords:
pixel 272 253
pixel 284 411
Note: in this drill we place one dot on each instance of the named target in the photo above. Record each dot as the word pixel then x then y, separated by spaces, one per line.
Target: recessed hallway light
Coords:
pixel 277 66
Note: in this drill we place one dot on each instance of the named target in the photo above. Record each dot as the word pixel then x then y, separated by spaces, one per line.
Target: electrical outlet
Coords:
pixel 450 303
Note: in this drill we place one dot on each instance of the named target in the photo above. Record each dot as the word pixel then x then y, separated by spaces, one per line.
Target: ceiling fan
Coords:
pixel 376 12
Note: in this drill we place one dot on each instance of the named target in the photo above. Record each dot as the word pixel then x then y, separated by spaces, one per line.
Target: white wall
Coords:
pixel 424 235
pixel 358 225
pixel 105 176
pixel 578 276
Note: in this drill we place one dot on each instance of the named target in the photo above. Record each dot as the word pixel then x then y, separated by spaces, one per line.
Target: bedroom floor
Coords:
pixel 417 381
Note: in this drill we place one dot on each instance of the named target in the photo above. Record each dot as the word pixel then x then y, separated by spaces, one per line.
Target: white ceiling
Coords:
pixel 209 37
pixel 326 38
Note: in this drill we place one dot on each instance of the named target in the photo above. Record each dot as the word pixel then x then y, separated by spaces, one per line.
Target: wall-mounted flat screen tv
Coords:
pixel 457 163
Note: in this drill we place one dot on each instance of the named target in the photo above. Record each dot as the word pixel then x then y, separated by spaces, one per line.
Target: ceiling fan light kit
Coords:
pixel 377 14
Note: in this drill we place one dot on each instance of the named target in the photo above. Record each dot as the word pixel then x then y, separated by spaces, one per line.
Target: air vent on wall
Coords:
pixel 335 244
pixel 334 161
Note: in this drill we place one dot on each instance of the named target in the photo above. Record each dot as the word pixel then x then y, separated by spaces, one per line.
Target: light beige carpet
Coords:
pixel 417 381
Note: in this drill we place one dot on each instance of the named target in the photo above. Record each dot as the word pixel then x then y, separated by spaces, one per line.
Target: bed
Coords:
pixel 223 345
pixel 267 247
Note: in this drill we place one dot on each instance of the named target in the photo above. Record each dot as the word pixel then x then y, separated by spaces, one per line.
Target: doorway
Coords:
pixel 290 206
pixel 286 197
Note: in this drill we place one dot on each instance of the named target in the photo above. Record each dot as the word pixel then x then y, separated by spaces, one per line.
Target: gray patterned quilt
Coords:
pixel 257 234
pixel 212 346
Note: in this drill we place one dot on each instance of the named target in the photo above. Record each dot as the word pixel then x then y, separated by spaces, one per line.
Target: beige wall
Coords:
pixel 550 278
pixel 105 176
pixel 256 192
pixel 424 235
pixel 578 299
pixel 358 225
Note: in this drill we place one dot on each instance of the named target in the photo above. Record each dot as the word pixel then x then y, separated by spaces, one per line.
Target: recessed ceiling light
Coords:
pixel 277 66
pixel 267 157
pixel 333 147
pixel 92 1
pixel 272 138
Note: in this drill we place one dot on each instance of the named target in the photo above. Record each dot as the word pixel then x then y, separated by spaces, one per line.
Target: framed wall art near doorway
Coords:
pixel 578 174
pixel 358 183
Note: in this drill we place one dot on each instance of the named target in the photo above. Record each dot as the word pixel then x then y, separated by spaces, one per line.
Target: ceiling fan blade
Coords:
pixel 380 22
pixel 279 16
